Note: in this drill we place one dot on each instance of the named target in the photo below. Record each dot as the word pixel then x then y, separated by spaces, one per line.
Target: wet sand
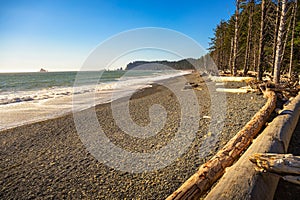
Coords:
pixel 48 160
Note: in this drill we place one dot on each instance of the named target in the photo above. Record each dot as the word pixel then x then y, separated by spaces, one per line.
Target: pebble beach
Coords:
pixel 48 160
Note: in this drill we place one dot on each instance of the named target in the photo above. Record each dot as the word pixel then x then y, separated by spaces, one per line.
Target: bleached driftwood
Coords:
pixel 252 73
pixel 277 163
pixel 212 170
pixel 230 79
pixel 235 90
pixel 242 181
pixel 285 165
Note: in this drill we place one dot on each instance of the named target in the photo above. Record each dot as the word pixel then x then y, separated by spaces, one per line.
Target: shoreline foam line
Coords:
pixel 28 112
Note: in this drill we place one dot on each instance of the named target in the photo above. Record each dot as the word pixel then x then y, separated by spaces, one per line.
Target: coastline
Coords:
pixel 48 159
pixel 28 112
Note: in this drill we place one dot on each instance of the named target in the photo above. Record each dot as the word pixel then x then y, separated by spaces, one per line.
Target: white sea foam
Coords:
pixel 23 107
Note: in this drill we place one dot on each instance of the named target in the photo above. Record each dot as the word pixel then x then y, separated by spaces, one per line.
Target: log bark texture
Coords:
pixel 242 181
pixel 212 170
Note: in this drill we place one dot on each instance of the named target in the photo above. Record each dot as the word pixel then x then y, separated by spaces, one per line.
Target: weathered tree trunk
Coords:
pixel 249 39
pixel 205 63
pixel 261 42
pixel 235 45
pixel 230 56
pixel 292 40
pixel 275 36
pixel 279 47
pixel 254 57
pixel 218 56
pixel 212 170
pixel 286 39
pixel 223 64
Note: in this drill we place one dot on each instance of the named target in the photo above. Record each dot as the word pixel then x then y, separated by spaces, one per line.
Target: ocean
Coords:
pixel 30 97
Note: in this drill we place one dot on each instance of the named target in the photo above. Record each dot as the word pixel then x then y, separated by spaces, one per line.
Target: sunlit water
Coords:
pixel 31 97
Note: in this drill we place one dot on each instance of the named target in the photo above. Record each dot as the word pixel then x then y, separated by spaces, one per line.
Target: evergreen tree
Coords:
pixel 256 45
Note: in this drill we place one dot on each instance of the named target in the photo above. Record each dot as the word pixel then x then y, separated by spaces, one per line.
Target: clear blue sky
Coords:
pixel 60 34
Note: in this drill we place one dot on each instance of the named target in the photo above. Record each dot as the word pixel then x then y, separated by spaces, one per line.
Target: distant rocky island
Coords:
pixel 43 70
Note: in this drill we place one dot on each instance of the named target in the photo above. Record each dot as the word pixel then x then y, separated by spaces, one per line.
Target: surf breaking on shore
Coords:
pixel 23 105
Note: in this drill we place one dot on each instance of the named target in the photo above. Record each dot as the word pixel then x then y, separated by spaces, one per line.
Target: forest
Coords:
pixel 261 36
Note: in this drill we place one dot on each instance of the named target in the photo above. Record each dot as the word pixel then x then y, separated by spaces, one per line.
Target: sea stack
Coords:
pixel 43 70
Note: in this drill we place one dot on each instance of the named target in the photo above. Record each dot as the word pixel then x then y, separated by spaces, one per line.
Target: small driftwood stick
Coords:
pixel 212 170
pixel 277 163
pixel 292 179
pixel 285 165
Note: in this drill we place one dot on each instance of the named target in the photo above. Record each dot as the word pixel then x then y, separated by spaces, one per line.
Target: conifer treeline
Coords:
pixel 257 33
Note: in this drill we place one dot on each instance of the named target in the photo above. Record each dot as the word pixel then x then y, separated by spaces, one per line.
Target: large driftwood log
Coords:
pixel 212 170
pixel 235 90
pixel 276 163
pixel 241 181
pixel 230 79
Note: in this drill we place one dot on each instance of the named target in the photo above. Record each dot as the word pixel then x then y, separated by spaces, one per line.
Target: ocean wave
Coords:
pixel 124 83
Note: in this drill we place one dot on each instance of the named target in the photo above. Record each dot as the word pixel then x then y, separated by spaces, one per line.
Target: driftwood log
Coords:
pixel 241 180
pixel 285 165
pixel 212 170
pixel 235 90
pixel 230 79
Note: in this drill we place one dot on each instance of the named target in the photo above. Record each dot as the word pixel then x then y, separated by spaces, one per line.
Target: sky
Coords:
pixel 59 35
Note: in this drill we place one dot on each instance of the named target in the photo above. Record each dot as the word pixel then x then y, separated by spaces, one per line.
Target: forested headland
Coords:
pixel 184 64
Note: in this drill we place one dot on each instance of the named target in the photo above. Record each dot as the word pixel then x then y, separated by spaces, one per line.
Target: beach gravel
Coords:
pixel 48 160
